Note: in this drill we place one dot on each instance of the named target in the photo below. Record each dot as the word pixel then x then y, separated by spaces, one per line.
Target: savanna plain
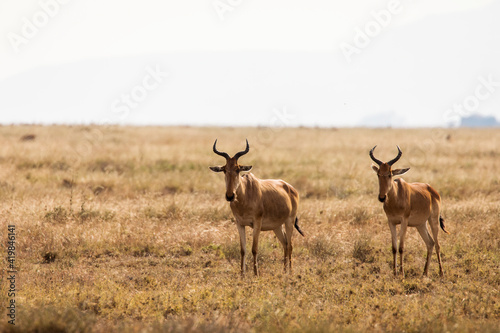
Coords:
pixel 125 229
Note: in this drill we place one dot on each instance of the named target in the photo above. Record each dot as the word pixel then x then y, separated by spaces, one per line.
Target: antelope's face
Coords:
pixel 385 174
pixel 231 171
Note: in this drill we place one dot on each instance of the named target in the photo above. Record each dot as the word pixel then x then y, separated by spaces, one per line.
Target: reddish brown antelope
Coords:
pixel 261 204
pixel 411 205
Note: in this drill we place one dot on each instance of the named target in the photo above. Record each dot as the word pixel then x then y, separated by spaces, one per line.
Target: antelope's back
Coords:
pixel 424 197
pixel 279 198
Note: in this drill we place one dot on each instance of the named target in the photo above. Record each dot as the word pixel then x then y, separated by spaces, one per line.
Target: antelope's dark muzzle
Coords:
pixel 382 199
pixel 230 198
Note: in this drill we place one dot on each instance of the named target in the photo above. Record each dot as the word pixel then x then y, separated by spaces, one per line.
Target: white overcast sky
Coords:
pixel 262 58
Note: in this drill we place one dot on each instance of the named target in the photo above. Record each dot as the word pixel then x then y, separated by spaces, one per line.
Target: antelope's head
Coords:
pixel 231 170
pixel 385 173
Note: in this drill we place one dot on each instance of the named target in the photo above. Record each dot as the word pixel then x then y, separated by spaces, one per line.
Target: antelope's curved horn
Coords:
pixel 373 157
pixel 225 155
pixel 394 160
pixel 241 153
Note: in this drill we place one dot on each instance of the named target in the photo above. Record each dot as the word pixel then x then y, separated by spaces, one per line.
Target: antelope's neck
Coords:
pixel 241 190
pixel 392 195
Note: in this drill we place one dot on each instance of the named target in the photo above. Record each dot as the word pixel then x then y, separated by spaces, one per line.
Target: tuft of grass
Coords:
pixel 58 214
pixel 323 247
pixel 363 251
pixel 28 137
pixel 231 251
pixel 49 257
pixel 68 183
pixel 171 212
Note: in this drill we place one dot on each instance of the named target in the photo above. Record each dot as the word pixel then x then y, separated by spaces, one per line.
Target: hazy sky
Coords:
pixel 249 62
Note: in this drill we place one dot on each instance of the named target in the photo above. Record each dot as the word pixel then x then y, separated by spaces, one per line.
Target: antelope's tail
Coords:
pixel 297 227
pixel 441 223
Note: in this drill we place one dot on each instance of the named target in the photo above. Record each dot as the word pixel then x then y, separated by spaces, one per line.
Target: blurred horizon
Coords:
pixel 287 64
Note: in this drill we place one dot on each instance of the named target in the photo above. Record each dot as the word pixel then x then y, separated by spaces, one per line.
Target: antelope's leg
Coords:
pixel 392 226
pixel 289 225
pixel 404 226
pixel 434 223
pixel 243 244
pixel 424 233
pixel 255 244
pixel 281 237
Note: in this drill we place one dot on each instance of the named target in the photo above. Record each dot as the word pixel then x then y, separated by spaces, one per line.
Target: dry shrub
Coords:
pixel 355 215
pixel 171 212
pixel 58 214
pixel 323 247
pixel 28 137
pixel 231 251
pixel 363 251
pixel 49 257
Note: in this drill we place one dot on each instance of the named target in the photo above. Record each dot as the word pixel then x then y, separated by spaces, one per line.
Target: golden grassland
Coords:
pixel 126 229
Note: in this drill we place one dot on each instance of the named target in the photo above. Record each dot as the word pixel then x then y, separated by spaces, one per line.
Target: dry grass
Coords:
pixel 127 230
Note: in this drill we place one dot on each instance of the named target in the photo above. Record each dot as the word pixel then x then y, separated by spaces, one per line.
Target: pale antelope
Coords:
pixel 411 205
pixel 261 204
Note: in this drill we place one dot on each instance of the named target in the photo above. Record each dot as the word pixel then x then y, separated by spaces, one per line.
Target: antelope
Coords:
pixel 411 205
pixel 261 204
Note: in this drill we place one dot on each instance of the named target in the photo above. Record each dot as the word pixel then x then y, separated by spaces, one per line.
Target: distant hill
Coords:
pixel 477 120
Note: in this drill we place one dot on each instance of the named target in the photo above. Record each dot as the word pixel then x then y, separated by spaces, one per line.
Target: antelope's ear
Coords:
pixel 399 172
pixel 375 168
pixel 217 169
pixel 245 167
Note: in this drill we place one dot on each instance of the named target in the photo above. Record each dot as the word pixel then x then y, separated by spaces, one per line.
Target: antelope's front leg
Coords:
pixel 404 225
pixel 243 244
pixel 394 238
pixel 256 232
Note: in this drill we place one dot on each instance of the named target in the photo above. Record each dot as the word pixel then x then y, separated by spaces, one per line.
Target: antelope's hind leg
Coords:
pixel 424 233
pixel 289 225
pixel 281 237
pixel 434 223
